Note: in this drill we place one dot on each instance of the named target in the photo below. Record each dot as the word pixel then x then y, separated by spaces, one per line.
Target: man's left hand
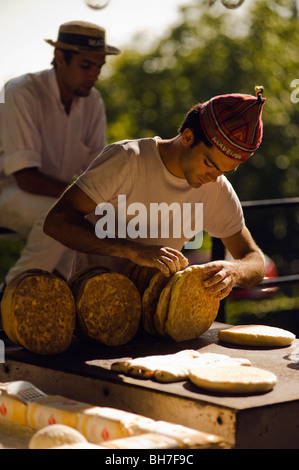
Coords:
pixel 220 278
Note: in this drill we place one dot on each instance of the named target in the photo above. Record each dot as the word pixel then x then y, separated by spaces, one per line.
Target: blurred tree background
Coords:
pixel 210 53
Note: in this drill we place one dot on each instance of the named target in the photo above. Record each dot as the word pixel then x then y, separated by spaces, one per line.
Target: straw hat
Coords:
pixel 81 36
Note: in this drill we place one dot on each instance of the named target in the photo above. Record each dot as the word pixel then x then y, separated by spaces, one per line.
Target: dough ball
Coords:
pixel 55 435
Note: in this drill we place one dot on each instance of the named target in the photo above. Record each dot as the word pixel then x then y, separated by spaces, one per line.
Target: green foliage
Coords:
pixel 210 53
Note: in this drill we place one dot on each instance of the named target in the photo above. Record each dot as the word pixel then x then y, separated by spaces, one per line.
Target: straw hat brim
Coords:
pixel 107 50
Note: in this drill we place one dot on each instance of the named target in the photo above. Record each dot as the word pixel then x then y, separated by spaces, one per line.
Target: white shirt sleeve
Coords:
pixel 223 213
pixel 21 137
pixel 109 175
pixel 95 140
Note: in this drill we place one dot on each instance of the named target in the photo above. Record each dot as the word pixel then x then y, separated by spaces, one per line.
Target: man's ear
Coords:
pixel 59 57
pixel 187 137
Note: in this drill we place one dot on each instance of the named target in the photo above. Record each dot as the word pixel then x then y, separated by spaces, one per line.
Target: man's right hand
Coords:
pixel 167 259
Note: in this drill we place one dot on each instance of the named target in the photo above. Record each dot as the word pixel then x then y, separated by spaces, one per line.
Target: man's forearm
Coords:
pixel 73 230
pixel 33 181
pixel 223 275
pixel 78 233
pixel 249 270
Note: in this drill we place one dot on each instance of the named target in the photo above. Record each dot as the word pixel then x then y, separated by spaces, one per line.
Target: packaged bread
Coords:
pixel 14 399
pixel 38 312
pixel 55 409
pixel 12 409
pixel 108 306
pixel 144 441
pixel 185 437
pixel 99 424
pixel 77 445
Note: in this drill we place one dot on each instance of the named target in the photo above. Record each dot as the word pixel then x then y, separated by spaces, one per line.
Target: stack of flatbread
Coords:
pixel 38 312
pixel 140 276
pixel 179 307
pixel 108 305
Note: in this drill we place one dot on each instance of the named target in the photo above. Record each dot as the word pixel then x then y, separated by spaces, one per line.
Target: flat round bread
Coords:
pixel 134 273
pixel 139 275
pixel 191 309
pixel 38 312
pixel 85 273
pixel 256 335
pixel 161 312
pixel 108 308
pixel 144 277
pixel 150 300
pixel 233 379
pixel 6 303
pixel 55 435
pixel 74 284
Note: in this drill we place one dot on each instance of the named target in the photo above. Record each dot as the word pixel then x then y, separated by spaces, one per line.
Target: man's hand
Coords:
pixel 221 278
pixel 168 260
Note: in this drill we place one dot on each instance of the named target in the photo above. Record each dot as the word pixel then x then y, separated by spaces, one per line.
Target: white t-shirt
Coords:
pixel 132 173
pixel 35 130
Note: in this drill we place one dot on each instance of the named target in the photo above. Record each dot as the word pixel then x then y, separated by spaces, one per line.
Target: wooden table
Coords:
pixel 268 421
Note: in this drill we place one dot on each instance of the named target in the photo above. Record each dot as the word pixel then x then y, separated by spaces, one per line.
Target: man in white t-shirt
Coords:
pixel 129 180
pixel 52 124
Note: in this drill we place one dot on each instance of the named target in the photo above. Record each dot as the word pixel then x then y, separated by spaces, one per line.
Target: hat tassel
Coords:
pixel 259 90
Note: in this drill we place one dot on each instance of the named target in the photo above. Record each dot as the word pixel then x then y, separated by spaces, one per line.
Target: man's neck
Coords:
pixel 169 152
pixel 66 97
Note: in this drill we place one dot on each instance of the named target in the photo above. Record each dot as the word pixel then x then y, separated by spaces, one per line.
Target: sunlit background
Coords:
pixel 24 24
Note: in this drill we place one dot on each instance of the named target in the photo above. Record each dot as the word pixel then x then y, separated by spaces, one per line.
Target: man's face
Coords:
pixel 79 76
pixel 201 164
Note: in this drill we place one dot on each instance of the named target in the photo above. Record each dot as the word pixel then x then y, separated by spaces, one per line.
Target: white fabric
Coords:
pixel 35 131
pixel 40 251
pixel 135 169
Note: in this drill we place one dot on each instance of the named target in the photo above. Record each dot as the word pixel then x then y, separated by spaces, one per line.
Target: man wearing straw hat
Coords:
pixel 51 125
pixel 213 140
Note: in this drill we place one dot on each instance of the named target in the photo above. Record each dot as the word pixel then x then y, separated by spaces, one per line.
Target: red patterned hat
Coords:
pixel 234 123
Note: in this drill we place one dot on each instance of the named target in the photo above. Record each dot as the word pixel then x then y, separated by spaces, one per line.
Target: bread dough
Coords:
pixel 173 367
pixel 256 335
pixel 55 435
pixel 233 379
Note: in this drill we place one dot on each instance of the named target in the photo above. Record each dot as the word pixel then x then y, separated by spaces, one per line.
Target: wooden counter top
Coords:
pixel 268 420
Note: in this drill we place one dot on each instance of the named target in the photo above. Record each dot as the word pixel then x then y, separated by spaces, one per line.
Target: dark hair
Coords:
pixel 68 54
pixel 192 121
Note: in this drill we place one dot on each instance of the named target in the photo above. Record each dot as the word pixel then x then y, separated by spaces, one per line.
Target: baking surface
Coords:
pixel 94 360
